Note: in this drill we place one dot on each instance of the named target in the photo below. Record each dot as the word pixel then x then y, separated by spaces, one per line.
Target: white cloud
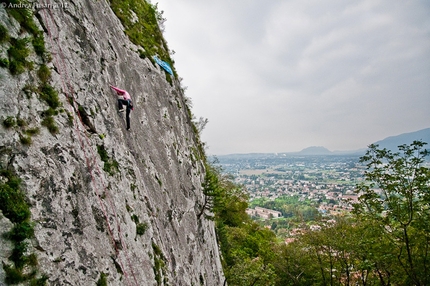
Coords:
pixel 274 76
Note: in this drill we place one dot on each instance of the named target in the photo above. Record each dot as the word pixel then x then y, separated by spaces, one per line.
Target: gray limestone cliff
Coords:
pixel 107 205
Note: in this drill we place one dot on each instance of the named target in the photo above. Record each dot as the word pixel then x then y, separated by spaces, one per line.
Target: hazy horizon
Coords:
pixel 279 76
pixel 341 150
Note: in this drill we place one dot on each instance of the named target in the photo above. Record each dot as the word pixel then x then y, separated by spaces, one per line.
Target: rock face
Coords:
pixel 115 203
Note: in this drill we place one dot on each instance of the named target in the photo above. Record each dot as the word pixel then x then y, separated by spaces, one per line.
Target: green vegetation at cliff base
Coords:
pixel 383 241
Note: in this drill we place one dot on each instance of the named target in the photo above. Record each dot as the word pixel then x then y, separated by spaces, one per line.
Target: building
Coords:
pixel 263 213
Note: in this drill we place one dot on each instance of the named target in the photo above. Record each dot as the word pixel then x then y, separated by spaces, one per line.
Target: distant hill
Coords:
pixel 315 150
pixel 392 142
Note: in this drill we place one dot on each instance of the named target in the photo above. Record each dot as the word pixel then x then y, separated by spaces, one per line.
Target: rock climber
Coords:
pixel 124 98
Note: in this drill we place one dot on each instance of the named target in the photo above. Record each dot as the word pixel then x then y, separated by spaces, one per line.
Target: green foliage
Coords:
pixel 9 122
pixel 21 231
pixel 383 242
pixel 142 20
pixel 291 207
pixel 4 35
pixel 135 218
pixel 28 89
pixel 159 265
pixel 49 123
pixel 245 246
pixel 110 166
pixel 39 45
pixel 16 67
pixel 49 112
pixel 141 228
pixel 23 16
pixel 32 131
pixel 226 200
pixel 142 54
pixel 39 281
pixel 14 206
pixel 169 78
pixel 18 252
pixel 44 74
pixel 18 53
pixel 49 94
pixel 25 140
pixel 103 153
pixel 21 122
pixel 4 63
pixel 396 198
pixel 102 280
pixel 295 211
pixel 248 254
pixel 12 200
pixel 13 275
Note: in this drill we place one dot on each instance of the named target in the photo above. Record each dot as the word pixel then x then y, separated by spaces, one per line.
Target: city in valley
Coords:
pixel 282 186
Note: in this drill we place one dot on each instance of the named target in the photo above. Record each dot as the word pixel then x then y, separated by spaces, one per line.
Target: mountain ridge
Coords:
pixel 391 143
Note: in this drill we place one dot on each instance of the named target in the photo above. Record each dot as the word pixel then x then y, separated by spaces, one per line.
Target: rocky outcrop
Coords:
pixel 107 203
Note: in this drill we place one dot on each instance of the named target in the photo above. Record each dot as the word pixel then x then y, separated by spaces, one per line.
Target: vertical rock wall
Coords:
pixel 134 217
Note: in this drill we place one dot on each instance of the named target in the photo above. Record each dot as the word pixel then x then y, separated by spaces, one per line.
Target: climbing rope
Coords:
pixel 69 92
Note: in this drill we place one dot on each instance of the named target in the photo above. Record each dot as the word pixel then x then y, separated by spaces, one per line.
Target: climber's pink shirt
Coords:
pixel 122 92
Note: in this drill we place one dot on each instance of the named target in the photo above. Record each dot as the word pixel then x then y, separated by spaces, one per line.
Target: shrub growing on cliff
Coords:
pixel 39 45
pixel 49 123
pixel 141 228
pixel 102 280
pixel 25 140
pixel 12 200
pixel 44 74
pixel 32 131
pixel 18 53
pixel 142 21
pixel 4 35
pixel 14 206
pixel 110 165
pixel 9 122
pixel 48 93
pixel 4 63
pixel 23 16
pixel 246 248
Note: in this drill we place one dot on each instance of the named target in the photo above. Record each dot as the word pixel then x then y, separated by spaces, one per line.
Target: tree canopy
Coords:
pixel 384 241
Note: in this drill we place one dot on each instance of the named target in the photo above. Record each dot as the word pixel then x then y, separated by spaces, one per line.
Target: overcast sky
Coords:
pixel 281 75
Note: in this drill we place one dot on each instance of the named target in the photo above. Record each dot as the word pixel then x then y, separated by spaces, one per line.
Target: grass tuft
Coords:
pixel 50 96
pixel 39 45
pixel 141 228
pixel 142 22
pixel 9 122
pixel 49 123
pixel 110 166
pixel 25 140
pixel 44 73
pixel 4 35
pixel 18 53
pixel 102 280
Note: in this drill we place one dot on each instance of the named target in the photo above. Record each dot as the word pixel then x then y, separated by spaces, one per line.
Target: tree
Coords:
pixel 396 198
